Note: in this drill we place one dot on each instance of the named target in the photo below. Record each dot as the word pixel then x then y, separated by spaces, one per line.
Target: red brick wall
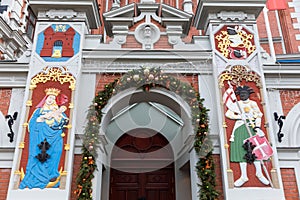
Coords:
pixel 289 32
pixel 289 184
pixel 103 79
pixel 5 95
pixel 76 166
pixel 131 43
pixel 289 98
pixel 4 180
pixel 219 183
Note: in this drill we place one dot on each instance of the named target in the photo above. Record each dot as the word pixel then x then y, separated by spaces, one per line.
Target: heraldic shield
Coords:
pixel 262 149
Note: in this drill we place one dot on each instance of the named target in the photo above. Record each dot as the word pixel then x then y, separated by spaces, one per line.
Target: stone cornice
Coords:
pixel 183 54
pixel 90 7
pixel 206 8
pixel 280 69
pixel 172 16
pixel 14 67
pixel 15 44
pixel 123 16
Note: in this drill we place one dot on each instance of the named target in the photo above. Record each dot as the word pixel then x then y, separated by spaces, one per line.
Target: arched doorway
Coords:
pixel 142 167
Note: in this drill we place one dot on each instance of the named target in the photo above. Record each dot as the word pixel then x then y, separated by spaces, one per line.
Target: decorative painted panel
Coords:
pixel 58 43
pixel 248 151
pixel 45 139
pixel 234 42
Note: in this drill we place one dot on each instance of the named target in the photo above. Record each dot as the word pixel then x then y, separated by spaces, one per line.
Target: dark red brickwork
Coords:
pixel 289 184
pixel 132 43
pixel 289 98
pixel 4 181
pixel 76 167
pixel 288 31
pixel 5 95
pixel 103 79
pixel 218 170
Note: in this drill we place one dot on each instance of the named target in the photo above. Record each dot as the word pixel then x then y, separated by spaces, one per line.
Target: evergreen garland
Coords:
pixel 147 78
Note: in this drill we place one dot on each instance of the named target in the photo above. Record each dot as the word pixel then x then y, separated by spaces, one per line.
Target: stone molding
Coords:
pixel 177 23
pixel 60 14
pixel 13 45
pixel 206 8
pixel 147 34
pixel 55 7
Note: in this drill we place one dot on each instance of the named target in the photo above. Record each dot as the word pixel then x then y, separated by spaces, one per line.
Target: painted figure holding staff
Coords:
pixel 247 116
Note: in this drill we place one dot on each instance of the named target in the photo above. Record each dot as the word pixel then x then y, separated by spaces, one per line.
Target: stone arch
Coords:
pixel 146 80
pixel 161 96
pixel 291 127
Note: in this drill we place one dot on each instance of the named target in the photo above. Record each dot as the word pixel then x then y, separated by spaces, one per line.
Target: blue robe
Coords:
pixel 38 174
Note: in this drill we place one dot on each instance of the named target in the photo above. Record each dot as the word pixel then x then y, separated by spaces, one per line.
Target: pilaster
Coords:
pixel 54 71
pixel 237 64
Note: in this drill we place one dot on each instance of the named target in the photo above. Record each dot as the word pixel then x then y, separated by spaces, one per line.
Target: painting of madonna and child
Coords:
pixel 249 150
pixel 43 156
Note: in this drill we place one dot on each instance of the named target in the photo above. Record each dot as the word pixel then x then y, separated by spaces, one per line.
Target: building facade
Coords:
pixel 148 99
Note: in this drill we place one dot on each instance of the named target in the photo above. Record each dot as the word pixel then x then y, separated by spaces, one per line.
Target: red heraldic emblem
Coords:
pixel 262 149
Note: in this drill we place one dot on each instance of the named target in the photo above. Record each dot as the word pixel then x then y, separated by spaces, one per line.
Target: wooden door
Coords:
pixel 142 167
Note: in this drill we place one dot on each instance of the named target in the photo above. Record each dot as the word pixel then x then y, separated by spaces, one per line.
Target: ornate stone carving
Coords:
pixel 116 4
pixel 53 13
pixel 224 15
pixel 188 6
pixel 120 34
pixel 174 34
pixel 147 34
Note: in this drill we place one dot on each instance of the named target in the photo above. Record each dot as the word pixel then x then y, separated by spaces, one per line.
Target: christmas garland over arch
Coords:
pixel 147 78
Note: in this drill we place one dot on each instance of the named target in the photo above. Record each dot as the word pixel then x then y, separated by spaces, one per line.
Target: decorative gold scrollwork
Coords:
pixel 236 74
pixel 60 75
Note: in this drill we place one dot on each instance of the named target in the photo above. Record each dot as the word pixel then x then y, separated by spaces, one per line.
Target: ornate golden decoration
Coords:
pixel 224 125
pixel 21 145
pixel 29 103
pixel 52 91
pixel 67 147
pixel 20 173
pixel 69 126
pixel 224 42
pixel 53 74
pixel 236 74
pixel 32 87
pixel 71 105
pixel 52 184
pixel 64 173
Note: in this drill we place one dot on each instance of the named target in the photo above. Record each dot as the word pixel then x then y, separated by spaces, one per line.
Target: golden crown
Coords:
pixel 52 91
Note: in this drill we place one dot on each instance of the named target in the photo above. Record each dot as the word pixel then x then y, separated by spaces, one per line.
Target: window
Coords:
pixel 30 26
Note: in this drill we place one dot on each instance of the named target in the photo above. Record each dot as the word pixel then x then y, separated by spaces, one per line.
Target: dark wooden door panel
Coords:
pixel 155 184
pixel 158 194
pixel 125 193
